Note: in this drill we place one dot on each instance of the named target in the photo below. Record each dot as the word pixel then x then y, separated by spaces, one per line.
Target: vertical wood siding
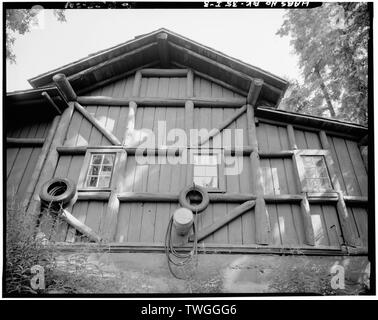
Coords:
pixel 20 162
pixel 147 222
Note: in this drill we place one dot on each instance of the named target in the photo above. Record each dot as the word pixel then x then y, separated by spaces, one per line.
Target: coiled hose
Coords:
pixel 180 259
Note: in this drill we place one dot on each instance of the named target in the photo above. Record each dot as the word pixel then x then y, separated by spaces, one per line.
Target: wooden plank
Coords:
pixel 123 223
pixel 190 84
pixel 300 139
pixel 11 157
pixel 311 231
pixel 358 166
pixel 312 140
pixel 332 225
pixel 361 219
pixel 274 224
pixel 319 225
pixel 239 210
pixel 291 135
pixel 131 120
pixel 324 140
pixel 346 165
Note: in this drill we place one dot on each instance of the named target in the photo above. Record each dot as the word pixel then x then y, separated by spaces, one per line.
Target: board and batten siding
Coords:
pixel 21 161
pixel 140 222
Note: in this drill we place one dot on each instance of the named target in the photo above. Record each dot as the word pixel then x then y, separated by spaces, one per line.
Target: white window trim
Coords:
pixel 220 167
pixel 85 167
pixel 330 167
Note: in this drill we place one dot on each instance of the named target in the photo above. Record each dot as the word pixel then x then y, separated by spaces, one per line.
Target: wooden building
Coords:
pixel 302 180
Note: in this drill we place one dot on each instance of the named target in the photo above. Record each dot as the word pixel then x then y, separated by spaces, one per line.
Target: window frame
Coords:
pixel 220 167
pixel 86 164
pixel 302 177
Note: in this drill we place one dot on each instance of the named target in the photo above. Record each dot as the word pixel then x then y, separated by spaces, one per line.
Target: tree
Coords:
pixel 20 21
pixel 332 44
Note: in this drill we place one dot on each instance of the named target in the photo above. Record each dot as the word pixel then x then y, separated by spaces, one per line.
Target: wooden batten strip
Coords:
pixel 110 136
pixel 136 85
pixel 291 136
pixel 162 42
pixel 252 132
pixel 324 140
pixel 190 84
pixel 93 195
pixel 238 211
pixel 213 132
pixel 307 222
pixel 179 73
pixel 25 142
pixel 254 91
pixel 41 160
pixel 51 161
pixel 65 87
pixel 161 102
pixel 130 126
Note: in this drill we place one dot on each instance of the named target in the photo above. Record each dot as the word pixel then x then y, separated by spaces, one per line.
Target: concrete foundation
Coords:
pixel 229 273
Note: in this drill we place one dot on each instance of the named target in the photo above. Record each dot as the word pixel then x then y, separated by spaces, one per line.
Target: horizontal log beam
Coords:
pixel 219 223
pixel 93 195
pixel 356 200
pixel 164 72
pixel 278 154
pixel 164 102
pixel 25 142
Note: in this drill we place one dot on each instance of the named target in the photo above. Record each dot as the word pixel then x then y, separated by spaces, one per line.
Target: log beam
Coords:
pixel 177 73
pixel 25 142
pixel 51 102
pixel 65 87
pixel 254 91
pixel 219 223
pixel 163 49
pixel 213 132
pixel 164 102
pixel 110 136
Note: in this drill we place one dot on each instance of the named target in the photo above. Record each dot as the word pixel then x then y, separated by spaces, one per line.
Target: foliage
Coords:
pixel 332 44
pixel 19 22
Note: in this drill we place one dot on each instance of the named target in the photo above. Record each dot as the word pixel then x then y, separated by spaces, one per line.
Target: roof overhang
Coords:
pixel 145 51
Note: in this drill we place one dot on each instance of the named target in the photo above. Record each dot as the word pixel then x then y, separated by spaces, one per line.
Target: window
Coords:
pixel 208 170
pixel 100 170
pixel 314 170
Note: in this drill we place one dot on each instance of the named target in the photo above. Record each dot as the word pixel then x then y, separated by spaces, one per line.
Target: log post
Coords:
pixel 291 136
pixel 111 218
pixel 162 41
pixel 137 83
pixel 254 91
pixel 324 140
pixel 52 158
pixel 129 134
pixel 41 159
pixel 263 230
pixel 65 87
pixel 190 84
